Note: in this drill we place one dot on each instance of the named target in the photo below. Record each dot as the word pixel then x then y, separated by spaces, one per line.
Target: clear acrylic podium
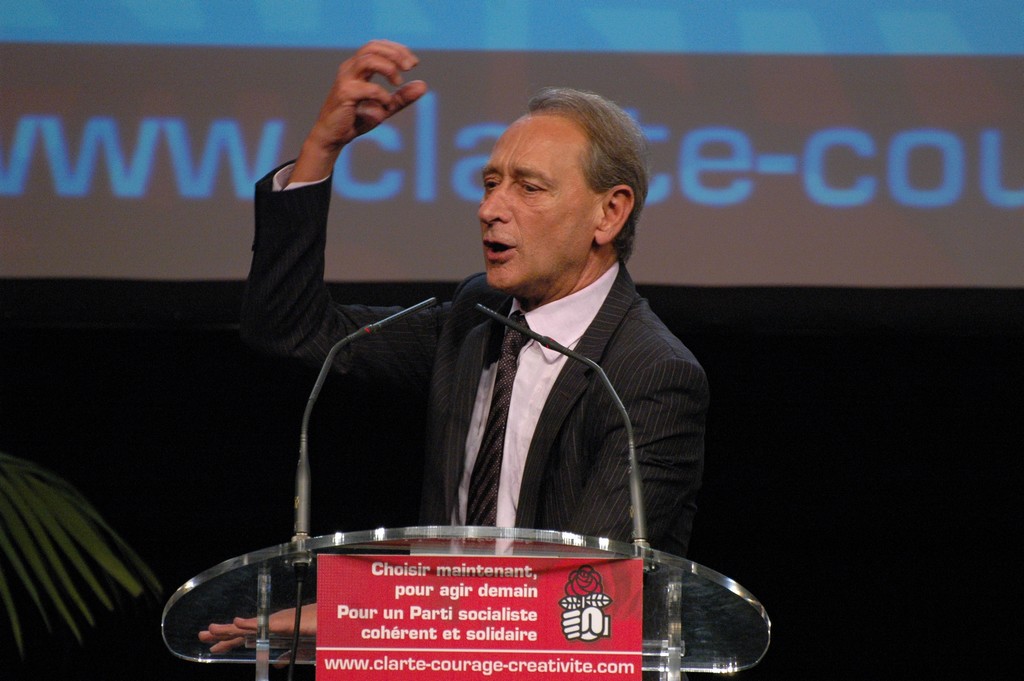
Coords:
pixel 695 619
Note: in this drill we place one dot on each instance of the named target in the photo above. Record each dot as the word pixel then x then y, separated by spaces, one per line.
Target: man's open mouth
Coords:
pixel 496 246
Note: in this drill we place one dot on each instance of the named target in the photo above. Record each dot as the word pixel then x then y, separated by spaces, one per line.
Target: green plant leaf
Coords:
pixel 12 614
pixel 84 523
pixel 59 512
pixel 18 542
pixel 10 523
pixel 91 518
pixel 41 557
pixel 54 539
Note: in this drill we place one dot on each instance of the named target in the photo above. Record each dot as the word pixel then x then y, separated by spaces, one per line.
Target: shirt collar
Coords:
pixel 567 319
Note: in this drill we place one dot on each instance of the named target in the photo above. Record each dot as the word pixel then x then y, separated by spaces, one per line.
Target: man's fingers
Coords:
pixel 227 646
pixel 373 110
pixel 365 65
pixel 222 630
pixel 392 51
pixel 391 102
pixel 245 623
pixel 406 95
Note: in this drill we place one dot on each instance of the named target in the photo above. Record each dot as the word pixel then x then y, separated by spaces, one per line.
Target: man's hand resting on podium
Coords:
pixel 223 638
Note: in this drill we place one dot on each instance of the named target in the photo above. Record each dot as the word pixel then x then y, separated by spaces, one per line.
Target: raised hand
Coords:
pixel 356 104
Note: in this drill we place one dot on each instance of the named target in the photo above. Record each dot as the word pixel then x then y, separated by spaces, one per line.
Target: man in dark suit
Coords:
pixel 562 192
pixel 563 189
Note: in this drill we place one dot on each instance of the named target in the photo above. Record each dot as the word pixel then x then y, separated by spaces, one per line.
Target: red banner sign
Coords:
pixel 439 618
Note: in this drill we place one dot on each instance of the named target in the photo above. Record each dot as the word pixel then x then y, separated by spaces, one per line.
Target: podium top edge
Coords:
pixel 473 539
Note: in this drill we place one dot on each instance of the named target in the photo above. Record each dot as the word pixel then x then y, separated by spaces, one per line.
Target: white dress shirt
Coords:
pixel 565 320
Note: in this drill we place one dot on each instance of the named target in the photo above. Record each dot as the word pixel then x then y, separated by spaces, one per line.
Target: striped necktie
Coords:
pixel 482 507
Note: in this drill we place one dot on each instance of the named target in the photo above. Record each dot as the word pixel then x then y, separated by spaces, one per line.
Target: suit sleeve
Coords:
pixel 287 309
pixel 667 401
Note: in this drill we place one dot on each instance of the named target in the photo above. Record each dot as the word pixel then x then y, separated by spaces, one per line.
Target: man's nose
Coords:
pixel 493 206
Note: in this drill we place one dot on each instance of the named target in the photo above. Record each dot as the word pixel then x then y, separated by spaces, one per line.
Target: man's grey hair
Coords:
pixel 618 151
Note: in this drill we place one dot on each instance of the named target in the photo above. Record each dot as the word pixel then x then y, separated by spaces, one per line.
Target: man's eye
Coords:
pixel 530 189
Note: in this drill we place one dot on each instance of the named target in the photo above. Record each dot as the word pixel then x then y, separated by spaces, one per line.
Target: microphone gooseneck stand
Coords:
pixel 302 476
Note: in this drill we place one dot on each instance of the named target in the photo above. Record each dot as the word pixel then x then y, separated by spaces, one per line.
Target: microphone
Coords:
pixel 302 559
pixel 302 475
pixel 636 494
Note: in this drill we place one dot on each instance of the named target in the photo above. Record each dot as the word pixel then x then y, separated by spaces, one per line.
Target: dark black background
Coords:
pixel 863 468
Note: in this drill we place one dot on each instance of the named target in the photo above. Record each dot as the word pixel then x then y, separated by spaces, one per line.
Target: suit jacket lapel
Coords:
pixel 569 387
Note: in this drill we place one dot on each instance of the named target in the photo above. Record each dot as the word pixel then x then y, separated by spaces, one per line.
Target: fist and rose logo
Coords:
pixel 583 615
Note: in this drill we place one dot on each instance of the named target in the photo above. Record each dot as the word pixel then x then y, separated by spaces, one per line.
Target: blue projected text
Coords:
pixel 715 166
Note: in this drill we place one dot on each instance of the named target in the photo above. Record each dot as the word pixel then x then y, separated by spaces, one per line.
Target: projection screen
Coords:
pixel 800 143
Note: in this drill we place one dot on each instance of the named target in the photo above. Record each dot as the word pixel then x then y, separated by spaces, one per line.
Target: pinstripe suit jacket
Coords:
pixel 576 470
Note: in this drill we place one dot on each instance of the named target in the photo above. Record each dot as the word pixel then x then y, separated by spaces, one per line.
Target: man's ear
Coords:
pixel 616 205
